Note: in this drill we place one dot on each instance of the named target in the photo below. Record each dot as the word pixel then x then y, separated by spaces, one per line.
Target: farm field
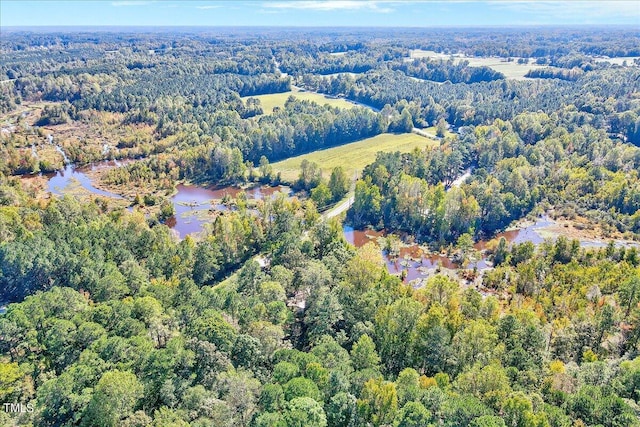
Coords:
pixel 352 157
pixel 511 70
pixel 619 60
pixel 270 101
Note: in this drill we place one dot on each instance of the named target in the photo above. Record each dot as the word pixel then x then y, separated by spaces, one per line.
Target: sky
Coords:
pixel 373 13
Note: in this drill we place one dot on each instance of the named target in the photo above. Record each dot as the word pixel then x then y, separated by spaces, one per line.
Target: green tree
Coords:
pixel 270 419
pixel 240 390
pixel 321 195
pixel 405 124
pixel 310 175
pixel 113 400
pixel 441 128
pixel 489 384
pixel 342 410
pixel 338 183
pixel 395 331
pixel 266 170
pixel 629 293
pixel 285 371
pixel 462 410
pixel 408 386
pixel 367 204
pixel 166 417
pixel 301 387
pixel 501 253
pixel 488 421
pixel 516 409
pixel 166 210
pixel 272 397
pixel 378 402
pixel 322 315
pixel 364 355
pixel 10 381
pixel 413 414
pixel 475 343
pixel 305 412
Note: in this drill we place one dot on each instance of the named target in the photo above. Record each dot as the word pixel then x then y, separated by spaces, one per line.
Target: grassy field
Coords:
pixel 619 60
pixel 419 53
pixel 432 130
pixel 278 100
pixel 352 157
pixel 511 70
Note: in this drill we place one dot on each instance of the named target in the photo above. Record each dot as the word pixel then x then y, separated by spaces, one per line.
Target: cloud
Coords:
pixel 541 11
pixel 578 10
pixel 333 5
pixel 131 3
pixel 208 7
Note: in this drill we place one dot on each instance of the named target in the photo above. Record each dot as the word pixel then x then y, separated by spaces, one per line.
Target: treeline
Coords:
pixel 525 42
pixel 481 103
pixel 236 146
pixel 300 62
pixel 517 165
pixel 442 71
pixel 555 73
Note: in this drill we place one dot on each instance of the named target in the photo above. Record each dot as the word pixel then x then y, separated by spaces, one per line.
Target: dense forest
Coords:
pixel 269 317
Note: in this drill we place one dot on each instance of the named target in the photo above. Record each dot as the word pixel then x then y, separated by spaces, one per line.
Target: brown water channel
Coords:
pixel 417 263
pixel 192 204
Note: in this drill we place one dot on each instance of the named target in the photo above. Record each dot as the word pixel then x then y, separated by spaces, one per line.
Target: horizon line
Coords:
pixel 600 25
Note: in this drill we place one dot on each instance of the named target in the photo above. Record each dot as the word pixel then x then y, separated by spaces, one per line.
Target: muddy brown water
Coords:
pixel 418 264
pixel 192 204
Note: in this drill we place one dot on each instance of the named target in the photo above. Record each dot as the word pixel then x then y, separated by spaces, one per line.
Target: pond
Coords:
pixel 193 204
pixel 59 181
pixel 418 264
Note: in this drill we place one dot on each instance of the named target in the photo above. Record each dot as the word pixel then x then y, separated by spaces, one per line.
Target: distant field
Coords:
pixel 353 157
pixel 278 100
pixel 419 53
pixel 619 60
pixel 511 70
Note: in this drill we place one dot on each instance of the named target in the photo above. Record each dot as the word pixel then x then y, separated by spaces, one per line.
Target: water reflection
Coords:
pixel 413 262
pixel 520 235
pixel 359 238
pixel 193 204
pixel 59 181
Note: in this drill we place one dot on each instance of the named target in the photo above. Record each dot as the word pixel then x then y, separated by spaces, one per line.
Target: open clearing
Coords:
pixel 511 70
pixel 272 100
pixel 352 157
pixel 620 60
